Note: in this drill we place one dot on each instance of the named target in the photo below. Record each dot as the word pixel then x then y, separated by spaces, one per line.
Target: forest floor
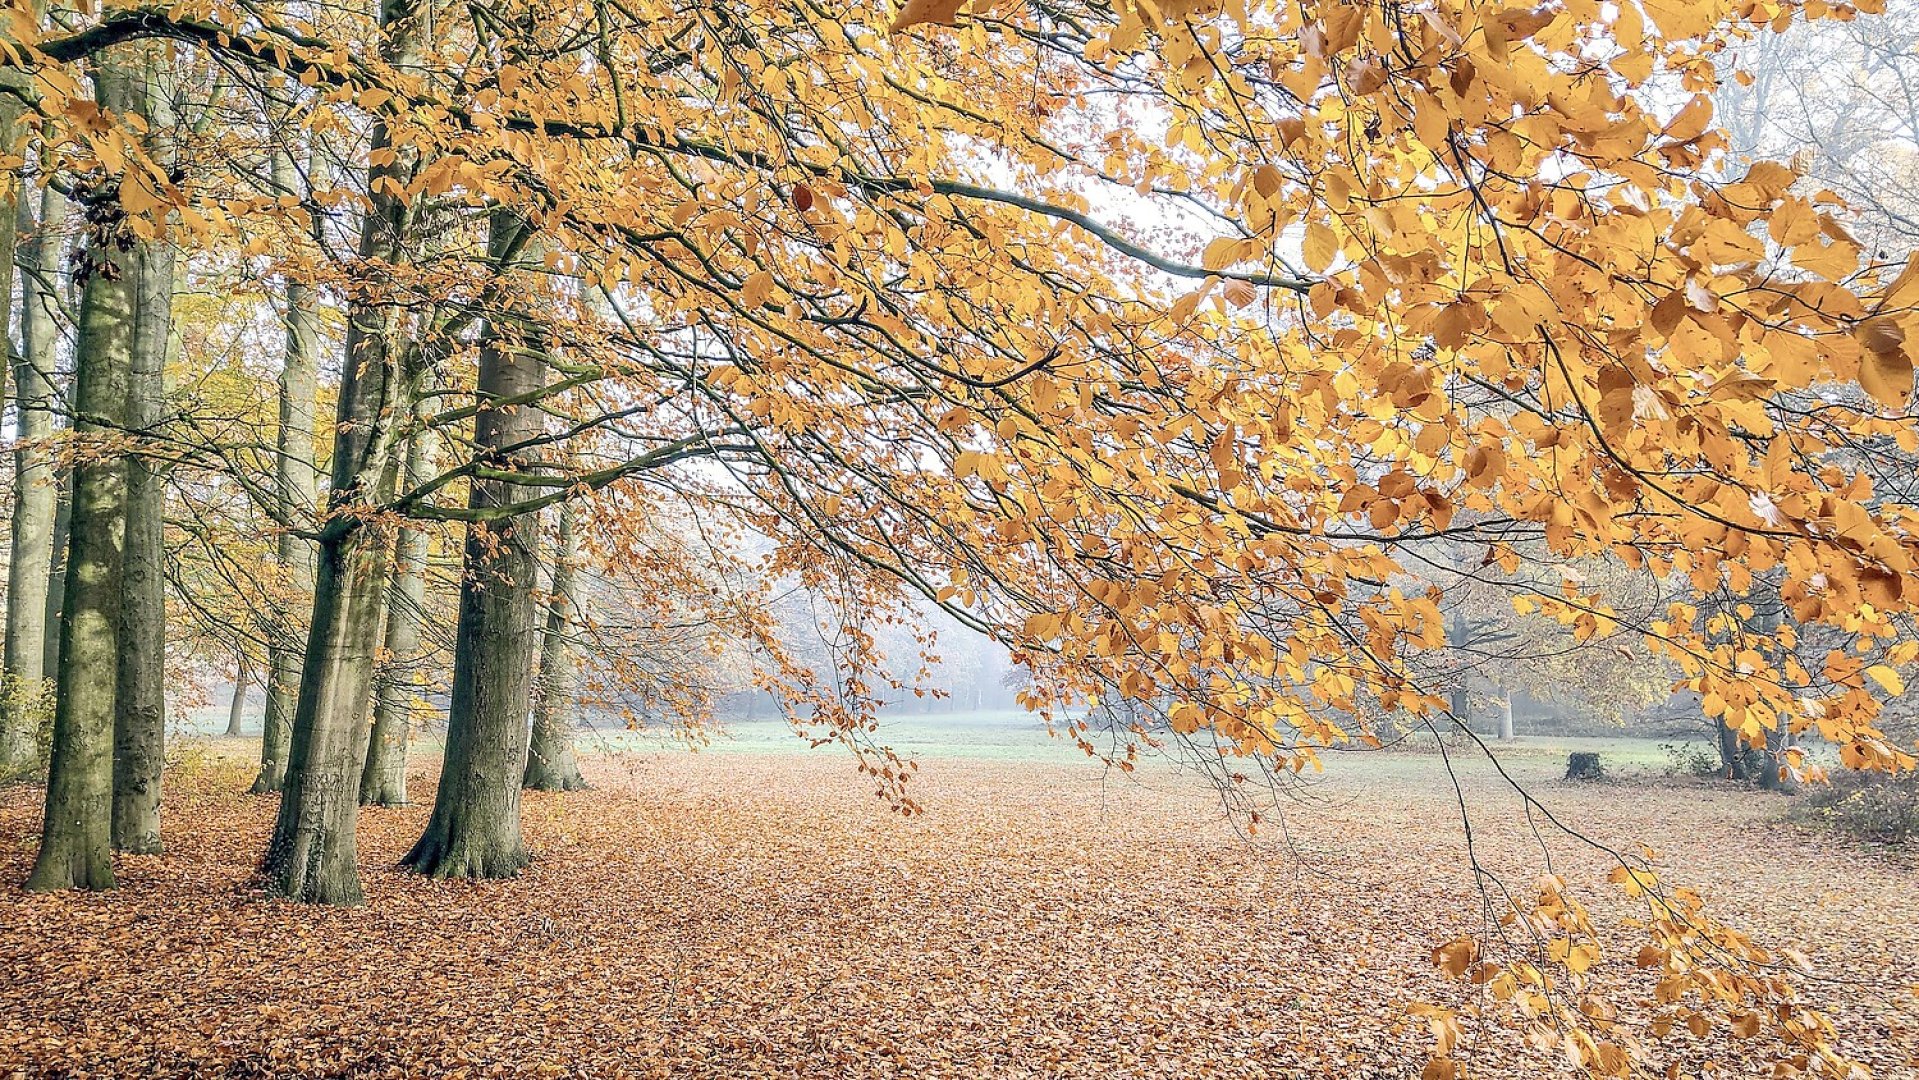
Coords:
pixel 761 914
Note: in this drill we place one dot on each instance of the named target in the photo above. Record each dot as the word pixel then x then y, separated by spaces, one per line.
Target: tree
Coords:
pixel 311 855
pixel 139 717
pixel 30 565
pixel 139 723
pixel 296 483
pixel 74 844
pixel 550 762
pixel 383 780
pixel 475 827
pixel 237 705
pixel 57 565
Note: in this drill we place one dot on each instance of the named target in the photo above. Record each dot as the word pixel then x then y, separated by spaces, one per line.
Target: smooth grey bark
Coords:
pixel 474 831
pixel 139 729
pixel 276 724
pixel 22 690
pixel 237 708
pixel 313 852
pixel 30 563
pixel 551 764
pixel 297 485
pixel 1506 718
pixel 1732 757
pixel 57 570
pixel 383 780
pixel 74 844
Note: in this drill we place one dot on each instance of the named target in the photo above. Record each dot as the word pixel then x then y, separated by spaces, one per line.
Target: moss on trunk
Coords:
pixel 74 843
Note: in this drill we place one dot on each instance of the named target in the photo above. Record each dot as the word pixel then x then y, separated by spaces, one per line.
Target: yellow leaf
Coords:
pixel 927 11
pixel 1833 261
pixel 1887 376
pixel 756 288
pixel 1691 121
pixel 1319 246
pixel 1456 956
pixel 138 192
pixel 1220 254
pixel 1267 181
pixel 1880 334
pixel 1886 677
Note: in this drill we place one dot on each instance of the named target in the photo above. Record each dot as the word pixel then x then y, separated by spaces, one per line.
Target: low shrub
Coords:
pixel 1691 759
pixel 1872 807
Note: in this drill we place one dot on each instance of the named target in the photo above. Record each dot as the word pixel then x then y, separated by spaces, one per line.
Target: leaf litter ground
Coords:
pixel 734 915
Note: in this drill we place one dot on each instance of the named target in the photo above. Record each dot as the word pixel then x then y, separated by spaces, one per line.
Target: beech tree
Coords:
pixel 30 561
pixel 383 779
pixel 74 848
pixel 475 827
pixel 139 717
pixel 296 484
pixel 550 762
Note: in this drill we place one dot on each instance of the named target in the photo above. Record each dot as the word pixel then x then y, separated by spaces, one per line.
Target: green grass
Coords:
pixel 1007 735
pixel 1017 736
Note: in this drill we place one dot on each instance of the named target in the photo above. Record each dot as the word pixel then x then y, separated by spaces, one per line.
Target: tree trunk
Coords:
pixel 1774 777
pixel 236 712
pixel 35 491
pixel 551 764
pixel 14 92
pixel 139 730
pixel 57 566
pixel 475 827
pixel 1506 718
pixel 74 847
pixel 383 780
pixel 1732 761
pixel 297 484
pixel 312 853
pixel 276 724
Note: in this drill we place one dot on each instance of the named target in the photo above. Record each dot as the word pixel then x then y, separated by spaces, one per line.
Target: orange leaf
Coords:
pixel 915 12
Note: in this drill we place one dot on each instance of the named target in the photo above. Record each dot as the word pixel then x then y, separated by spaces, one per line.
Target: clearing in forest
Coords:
pixel 760 914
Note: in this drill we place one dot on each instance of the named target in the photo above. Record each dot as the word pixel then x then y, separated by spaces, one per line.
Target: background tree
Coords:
pixel 550 762
pixel 296 483
pixel 30 562
pixel 400 685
